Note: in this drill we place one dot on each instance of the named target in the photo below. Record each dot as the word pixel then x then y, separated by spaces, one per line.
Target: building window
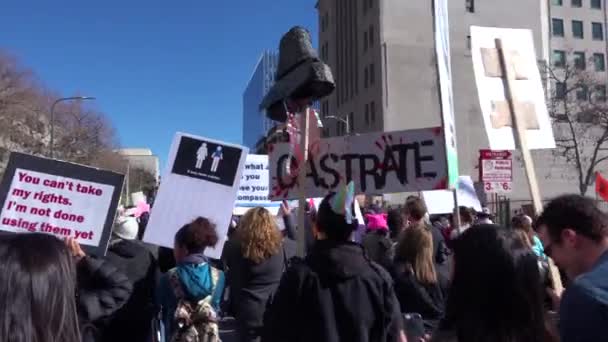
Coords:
pixel 470 5
pixel 367 114
pixel 598 31
pixel 371 35
pixel 372 74
pixel 599 62
pixel 560 90
pixel 577 29
pixel 372 112
pixel 365 41
pixel 366 78
pixel 351 122
pixel 324 22
pixel 579 60
pixel 558 27
pixel 600 93
pixel 469 43
pixel 582 93
pixel 596 4
pixel 577 3
pixel 370 4
pixel 556 2
pixel 559 58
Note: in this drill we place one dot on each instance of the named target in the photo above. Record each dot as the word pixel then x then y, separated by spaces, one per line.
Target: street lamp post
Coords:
pixel 52 147
pixel 343 120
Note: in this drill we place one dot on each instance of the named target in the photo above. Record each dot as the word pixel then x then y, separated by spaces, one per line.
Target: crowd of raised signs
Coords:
pixel 399 276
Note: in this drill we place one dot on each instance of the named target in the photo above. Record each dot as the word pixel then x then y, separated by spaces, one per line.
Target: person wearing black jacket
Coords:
pixel 133 322
pixel 255 262
pixel 336 293
pixel 419 287
pixel 101 291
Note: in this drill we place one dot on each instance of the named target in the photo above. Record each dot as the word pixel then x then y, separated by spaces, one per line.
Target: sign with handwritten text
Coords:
pixel 58 198
pixel 378 163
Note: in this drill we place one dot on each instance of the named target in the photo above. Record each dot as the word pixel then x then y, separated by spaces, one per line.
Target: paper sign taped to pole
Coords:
pixel 378 163
pixel 58 198
pixel 253 188
pixel 528 91
pixel 442 201
pixel 202 179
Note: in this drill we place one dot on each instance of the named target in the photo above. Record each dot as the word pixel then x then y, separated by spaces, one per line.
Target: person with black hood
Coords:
pixel 336 293
pixel 102 289
pixel 133 322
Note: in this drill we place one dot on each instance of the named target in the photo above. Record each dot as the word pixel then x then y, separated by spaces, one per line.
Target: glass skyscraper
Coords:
pixel 255 122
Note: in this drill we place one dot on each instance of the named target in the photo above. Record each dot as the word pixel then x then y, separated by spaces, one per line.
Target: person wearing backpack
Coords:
pixel 337 293
pixel 189 294
pixel 261 257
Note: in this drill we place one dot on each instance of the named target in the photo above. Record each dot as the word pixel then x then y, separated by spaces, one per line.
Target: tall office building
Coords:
pixel 578 35
pixel 383 59
pixel 255 122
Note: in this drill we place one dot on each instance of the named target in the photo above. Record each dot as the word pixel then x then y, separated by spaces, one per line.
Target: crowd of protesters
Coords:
pixel 401 275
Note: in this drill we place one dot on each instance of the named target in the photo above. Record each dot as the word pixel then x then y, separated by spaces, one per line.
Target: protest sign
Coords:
pixel 59 198
pixel 496 171
pixel 253 188
pixel 202 179
pixel 442 201
pixel 378 163
pixel 528 88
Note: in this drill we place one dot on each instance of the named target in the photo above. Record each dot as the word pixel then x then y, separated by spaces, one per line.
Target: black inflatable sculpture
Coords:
pixel 301 75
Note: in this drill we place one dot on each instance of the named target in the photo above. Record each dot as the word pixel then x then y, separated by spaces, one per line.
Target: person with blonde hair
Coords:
pixel 418 286
pixel 260 259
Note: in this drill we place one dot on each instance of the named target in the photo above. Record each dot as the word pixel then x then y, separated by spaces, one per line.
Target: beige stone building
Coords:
pixel 382 56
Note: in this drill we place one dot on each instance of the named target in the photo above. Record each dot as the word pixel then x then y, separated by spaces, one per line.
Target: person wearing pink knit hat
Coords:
pixel 376 242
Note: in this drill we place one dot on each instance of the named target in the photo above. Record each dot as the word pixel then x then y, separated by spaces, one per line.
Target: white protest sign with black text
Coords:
pixel 58 198
pixel 378 163
pixel 253 188
pixel 202 179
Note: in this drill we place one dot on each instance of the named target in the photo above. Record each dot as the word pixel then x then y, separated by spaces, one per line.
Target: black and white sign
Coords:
pixel 210 161
pixel 378 163
pixel 253 188
pixel 201 179
pixel 59 198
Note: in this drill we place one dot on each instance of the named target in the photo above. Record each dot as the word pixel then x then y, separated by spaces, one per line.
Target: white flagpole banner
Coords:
pixel 58 198
pixel 202 179
pixel 444 68
pixel 442 201
pixel 378 163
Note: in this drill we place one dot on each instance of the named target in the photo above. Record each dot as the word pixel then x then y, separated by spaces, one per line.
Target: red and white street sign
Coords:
pixel 496 171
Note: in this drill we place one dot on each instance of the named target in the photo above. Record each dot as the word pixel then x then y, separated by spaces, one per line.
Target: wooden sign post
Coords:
pixel 304 130
pixel 508 72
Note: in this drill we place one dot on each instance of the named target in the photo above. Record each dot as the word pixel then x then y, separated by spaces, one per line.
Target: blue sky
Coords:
pixel 156 67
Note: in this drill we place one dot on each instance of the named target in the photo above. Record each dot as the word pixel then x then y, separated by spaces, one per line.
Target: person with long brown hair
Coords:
pixel 37 290
pixel 263 256
pixel 418 286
